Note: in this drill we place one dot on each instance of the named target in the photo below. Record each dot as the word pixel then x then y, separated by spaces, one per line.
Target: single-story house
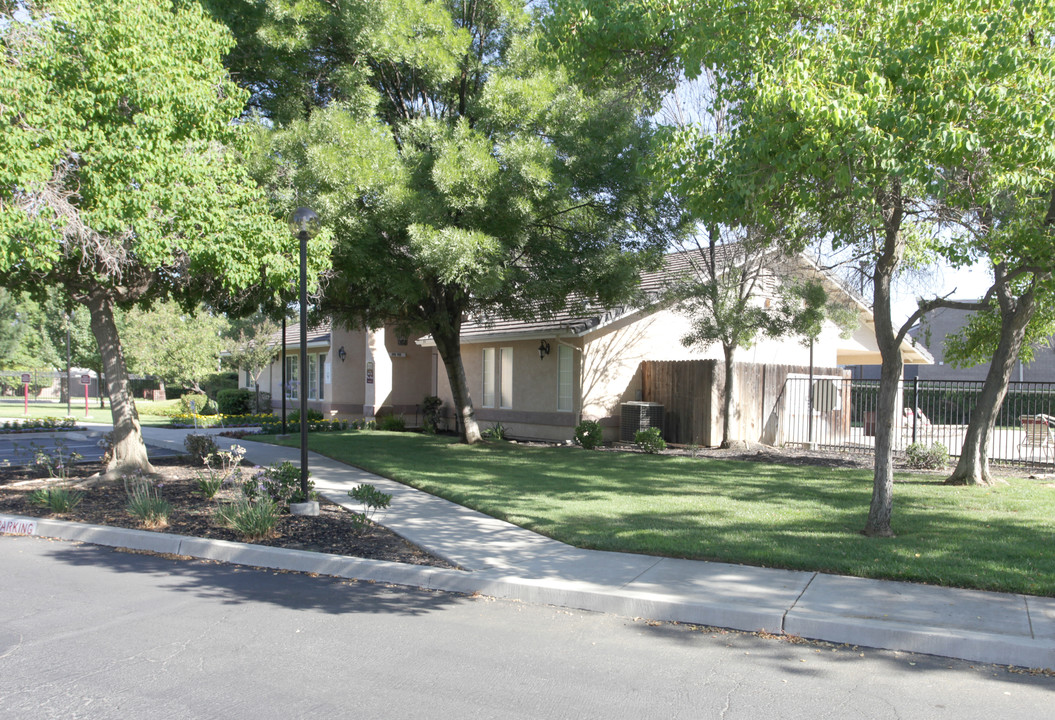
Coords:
pixel 351 373
pixel 540 378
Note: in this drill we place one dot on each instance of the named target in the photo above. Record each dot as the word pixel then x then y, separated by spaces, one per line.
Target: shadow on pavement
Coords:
pixel 235 585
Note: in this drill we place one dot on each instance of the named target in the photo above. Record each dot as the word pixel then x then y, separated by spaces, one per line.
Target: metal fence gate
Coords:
pixel 930 411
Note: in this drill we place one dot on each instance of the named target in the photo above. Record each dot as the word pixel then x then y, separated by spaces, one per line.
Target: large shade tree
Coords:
pixel 122 178
pixel 171 344
pixel 856 113
pixel 461 171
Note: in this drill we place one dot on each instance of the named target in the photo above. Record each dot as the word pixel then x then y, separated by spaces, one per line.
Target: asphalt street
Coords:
pixel 90 632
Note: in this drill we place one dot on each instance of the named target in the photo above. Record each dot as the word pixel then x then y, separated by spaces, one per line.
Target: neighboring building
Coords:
pixel 943 322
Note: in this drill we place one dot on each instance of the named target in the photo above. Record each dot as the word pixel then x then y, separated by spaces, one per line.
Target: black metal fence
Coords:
pixel 45 386
pixel 929 412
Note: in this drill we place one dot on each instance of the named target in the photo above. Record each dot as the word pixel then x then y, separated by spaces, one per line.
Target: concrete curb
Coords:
pixel 799 621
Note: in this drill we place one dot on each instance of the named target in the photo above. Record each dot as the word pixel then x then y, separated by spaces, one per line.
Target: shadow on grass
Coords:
pixel 799 518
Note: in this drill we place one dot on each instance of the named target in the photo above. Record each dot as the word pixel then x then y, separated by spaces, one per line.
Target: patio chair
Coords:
pixel 921 423
pixel 1036 435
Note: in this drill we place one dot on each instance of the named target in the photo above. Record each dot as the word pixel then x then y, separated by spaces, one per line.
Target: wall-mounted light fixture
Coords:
pixel 341 353
pixel 402 337
pixel 543 349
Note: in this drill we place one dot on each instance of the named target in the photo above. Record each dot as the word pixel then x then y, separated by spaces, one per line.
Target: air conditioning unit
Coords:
pixel 635 416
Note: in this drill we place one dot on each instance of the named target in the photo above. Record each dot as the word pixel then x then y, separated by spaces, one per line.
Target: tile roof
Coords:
pixel 585 316
pixel 318 335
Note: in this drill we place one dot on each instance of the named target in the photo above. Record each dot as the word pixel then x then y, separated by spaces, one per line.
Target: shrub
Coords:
pixel 924 457
pixel 392 423
pixel 269 424
pixel 201 404
pixel 294 416
pixel 47 423
pixel 106 442
pixel 495 432
pixel 235 402
pixel 589 434
pixel 220 466
pixel 372 500
pixel 58 500
pixel 262 402
pixel 650 440
pixel 200 447
pixel 280 483
pixel 145 502
pixel 55 461
pixel 224 380
pixel 253 519
pixel 430 412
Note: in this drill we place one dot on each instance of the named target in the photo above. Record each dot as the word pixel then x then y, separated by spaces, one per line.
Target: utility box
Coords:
pixel 635 416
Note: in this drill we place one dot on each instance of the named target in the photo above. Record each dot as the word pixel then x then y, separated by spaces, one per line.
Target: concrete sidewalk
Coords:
pixel 503 560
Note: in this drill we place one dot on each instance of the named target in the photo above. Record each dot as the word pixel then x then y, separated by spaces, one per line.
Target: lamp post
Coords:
pixel 69 387
pixel 304 223
pixel 285 381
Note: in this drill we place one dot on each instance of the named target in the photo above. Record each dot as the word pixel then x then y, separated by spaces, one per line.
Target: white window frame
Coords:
pixel 290 386
pixel 322 376
pixel 565 379
pixel 313 377
pixel 505 378
pixel 487 374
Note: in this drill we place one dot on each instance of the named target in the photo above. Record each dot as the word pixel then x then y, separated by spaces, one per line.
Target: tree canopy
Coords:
pixel 122 170
pixel 460 169
pixel 171 344
pixel 869 120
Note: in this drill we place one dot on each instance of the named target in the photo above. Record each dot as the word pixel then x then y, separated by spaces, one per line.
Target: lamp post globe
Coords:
pixel 304 222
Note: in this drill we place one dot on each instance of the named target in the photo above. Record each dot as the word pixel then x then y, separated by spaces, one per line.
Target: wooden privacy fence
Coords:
pixel 766 407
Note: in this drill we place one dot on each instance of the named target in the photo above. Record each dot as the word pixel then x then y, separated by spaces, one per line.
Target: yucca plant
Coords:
pixel 251 519
pixel 58 500
pixel 146 504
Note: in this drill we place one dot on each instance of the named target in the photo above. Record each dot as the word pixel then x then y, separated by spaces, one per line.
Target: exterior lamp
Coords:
pixel 304 223
pixel 341 353
pixel 543 350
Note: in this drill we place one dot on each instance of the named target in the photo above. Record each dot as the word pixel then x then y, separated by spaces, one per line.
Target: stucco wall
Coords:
pixel 533 412
pixel 399 383
pixel 607 371
pixel 613 357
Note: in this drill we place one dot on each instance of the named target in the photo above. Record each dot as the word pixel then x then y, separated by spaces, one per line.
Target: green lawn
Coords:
pixel 148 410
pixel 803 518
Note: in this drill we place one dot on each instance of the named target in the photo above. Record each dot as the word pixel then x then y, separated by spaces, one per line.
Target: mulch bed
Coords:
pixel 105 504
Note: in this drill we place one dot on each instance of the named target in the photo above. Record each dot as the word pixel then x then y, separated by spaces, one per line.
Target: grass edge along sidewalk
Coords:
pixel 794 517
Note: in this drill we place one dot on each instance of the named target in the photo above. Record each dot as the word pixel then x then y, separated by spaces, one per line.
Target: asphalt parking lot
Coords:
pixel 19 449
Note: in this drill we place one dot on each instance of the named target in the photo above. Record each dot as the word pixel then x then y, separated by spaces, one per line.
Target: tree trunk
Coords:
pixel 130 452
pixel 973 466
pixel 449 346
pixel 889 258
pixel 727 398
